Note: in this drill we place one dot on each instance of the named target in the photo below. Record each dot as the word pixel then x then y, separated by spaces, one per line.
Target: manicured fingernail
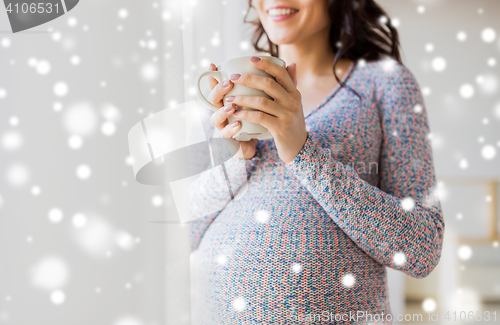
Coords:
pixel 229 99
pixel 229 108
pixel 211 67
pixel 235 76
pixel 235 124
pixel 225 83
pixel 255 59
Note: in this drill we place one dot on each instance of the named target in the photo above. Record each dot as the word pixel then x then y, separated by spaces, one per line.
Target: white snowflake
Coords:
pixel 18 175
pixel 348 280
pixel 467 91
pixel 75 60
pixel 388 64
pixel 399 258
pixel 83 171
pixel 297 267
pixel 239 304
pixel 79 220
pixel 108 128
pixel 55 215
pixel 5 42
pixel 383 20
pixel 439 64
pixel 408 203
pixel 12 140
pixel 152 44
pixel 61 89
pixel 461 36
pixel 51 272
pixel 14 120
pixel 149 72
pixel 111 113
pixel 215 40
pixel 80 119
pixel 488 35
pixel 124 240
pixel 429 305
pixel 157 201
pixel 488 152
pixel 57 297
pixel 43 67
pixel 244 45
pixel 57 106
pixel 166 15
pixel 464 252
pixel 75 142
pixel 488 83
pixel 36 190
pixel 123 13
pixel 222 259
pixel 262 216
pixel 72 21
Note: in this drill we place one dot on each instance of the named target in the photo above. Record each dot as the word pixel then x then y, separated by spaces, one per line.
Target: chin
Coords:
pixel 283 39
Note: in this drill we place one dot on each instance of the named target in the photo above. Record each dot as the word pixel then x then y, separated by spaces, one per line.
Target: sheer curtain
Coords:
pixel 196 33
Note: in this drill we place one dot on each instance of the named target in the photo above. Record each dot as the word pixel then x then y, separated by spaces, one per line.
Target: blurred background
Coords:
pixel 82 242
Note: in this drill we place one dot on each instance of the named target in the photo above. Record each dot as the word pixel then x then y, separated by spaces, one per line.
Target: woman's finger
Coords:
pixel 279 72
pixel 269 122
pixel 219 91
pixel 268 85
pixel 229 130
pixel 211 80
pixel 219 118
pixel 257 102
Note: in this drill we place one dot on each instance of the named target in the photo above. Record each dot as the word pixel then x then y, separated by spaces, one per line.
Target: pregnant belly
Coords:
pixel 271 258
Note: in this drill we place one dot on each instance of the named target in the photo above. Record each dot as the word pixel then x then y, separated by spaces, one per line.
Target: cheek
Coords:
pixel 315 21
pixel 319 16
pixel 258 5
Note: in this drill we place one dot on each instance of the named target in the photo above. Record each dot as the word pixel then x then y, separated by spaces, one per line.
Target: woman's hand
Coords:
pixel 219 118
pixel 284 116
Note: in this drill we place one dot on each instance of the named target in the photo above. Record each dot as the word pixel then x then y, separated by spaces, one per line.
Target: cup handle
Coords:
pixel 218 76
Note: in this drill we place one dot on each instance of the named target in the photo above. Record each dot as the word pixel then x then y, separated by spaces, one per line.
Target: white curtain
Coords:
pixel 196 33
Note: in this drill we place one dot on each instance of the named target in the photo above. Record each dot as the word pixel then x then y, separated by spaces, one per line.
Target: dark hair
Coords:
pixel 361 28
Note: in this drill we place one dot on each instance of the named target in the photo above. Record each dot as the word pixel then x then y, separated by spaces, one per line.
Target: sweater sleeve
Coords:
pixel 212 190
pixel 400 223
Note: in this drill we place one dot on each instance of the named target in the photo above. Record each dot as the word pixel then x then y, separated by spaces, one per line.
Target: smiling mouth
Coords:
pixel 277 12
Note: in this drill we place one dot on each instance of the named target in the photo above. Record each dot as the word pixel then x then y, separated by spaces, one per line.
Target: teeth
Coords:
pixel 281 12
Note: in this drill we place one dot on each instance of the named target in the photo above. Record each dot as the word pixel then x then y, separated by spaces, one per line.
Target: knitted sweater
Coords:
pixel 308 242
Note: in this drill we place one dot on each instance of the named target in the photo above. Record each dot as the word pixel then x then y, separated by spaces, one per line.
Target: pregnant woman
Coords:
pixel 345 188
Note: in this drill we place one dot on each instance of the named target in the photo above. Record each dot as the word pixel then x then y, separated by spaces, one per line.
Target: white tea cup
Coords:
pixel 248 130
